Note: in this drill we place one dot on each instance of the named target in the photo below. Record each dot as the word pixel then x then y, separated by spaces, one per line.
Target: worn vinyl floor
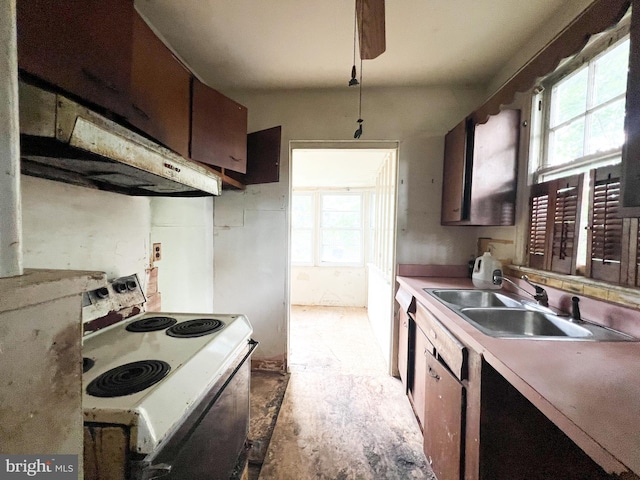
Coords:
pixel 343 416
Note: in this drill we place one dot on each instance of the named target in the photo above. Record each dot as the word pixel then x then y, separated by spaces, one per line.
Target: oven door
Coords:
pixel 210 440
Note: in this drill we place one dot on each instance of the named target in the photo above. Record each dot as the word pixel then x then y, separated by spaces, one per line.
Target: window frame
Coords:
pixel 539 167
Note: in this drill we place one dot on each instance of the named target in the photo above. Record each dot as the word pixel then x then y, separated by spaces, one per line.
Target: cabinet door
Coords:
pixel 403 347
pixel 444 406
pixel 455 145
pixel 423 351
pixel 630 181
pixel 80 46
pixel 263 157
pixel 218 129
pixel 160 90
pixel 493 181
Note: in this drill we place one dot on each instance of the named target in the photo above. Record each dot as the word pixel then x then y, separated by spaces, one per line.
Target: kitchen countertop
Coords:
pixel 590 390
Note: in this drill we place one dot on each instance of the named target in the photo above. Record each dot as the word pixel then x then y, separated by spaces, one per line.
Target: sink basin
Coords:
pixel 475 298
pixel 506 316
pixel 499 322
pixel 521 323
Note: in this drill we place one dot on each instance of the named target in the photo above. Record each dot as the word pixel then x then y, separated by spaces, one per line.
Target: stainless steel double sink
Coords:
pixel 498 314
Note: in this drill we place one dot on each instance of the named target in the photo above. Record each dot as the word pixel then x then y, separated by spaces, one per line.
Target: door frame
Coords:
pixel 347 145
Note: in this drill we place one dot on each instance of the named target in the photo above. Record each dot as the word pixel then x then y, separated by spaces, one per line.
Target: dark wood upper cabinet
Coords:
pixel 493 177
pixel 218 129
pixel 479 176
pixel 160 90
pixel 263 157
pixel 81 46
pixel 455 144
pixel 630 181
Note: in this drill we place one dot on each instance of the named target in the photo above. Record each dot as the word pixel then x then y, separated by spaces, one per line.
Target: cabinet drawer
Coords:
pixel 406 301
pixel 452 352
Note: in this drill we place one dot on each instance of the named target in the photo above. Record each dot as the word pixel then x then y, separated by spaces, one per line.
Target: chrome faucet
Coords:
pixel 540 296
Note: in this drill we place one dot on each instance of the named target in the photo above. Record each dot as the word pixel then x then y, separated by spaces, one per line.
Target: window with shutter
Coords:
pixel 553 227
pixel 605 227
pixel 578 138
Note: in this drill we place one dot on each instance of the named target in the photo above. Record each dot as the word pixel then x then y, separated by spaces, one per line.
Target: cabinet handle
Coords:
pixel 404 324
pixel 140 112
pixel 99 81
pixel 433 374
pixel 456 209
pixel 234 158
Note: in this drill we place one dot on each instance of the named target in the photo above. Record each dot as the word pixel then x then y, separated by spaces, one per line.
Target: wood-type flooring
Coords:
pixel 342 417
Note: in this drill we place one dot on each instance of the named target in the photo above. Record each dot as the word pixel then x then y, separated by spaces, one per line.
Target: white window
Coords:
pixel 582 107
pixel 328 228
pixel 341 229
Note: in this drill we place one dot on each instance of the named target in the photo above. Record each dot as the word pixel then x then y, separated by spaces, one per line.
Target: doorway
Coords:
pixel 342 235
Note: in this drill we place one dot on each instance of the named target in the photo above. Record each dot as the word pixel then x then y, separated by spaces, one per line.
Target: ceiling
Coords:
pixel 275 44
pixel 336 168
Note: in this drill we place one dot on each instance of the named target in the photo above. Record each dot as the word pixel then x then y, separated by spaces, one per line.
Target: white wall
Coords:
pixel 251 260
pixel 184 227
pixel 329 286
pixel 70 227
pixel 380 310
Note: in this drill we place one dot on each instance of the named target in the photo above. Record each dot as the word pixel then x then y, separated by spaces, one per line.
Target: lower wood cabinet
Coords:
pixel 423 350
pixel 476 424
pixel 444 410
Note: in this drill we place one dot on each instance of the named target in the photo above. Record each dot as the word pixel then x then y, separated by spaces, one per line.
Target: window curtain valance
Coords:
pixel 598 17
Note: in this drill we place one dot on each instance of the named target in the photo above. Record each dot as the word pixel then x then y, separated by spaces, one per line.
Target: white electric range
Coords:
pixel 153 388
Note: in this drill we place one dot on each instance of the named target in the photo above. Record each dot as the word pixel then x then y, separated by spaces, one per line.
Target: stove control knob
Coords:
pixel 131 285
pixel 102 292
pixel 119 287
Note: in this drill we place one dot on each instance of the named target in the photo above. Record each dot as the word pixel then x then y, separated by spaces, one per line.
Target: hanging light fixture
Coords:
pixel 369 32
pixel 358 132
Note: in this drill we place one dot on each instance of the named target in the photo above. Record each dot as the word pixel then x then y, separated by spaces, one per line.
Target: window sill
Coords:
pixel 620 295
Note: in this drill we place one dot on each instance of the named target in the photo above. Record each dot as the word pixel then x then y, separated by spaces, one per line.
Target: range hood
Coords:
pixel 64 141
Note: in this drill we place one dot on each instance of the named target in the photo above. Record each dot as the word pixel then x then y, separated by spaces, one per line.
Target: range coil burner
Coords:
pixel 87 363
pixel 195 328
pixel 128 378
pixel 151 324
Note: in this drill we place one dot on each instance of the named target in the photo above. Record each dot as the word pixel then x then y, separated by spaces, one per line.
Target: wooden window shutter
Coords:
pixel 539 208
pixel 553 225
pixel 605 250
pixel 567 194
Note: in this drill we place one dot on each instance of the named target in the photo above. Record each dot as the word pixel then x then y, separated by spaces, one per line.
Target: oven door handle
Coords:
pixel 156 471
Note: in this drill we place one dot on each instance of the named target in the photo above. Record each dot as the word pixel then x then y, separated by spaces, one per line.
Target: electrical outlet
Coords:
pixel 157 252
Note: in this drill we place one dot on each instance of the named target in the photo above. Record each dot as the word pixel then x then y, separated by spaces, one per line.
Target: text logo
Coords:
pixel 52 467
